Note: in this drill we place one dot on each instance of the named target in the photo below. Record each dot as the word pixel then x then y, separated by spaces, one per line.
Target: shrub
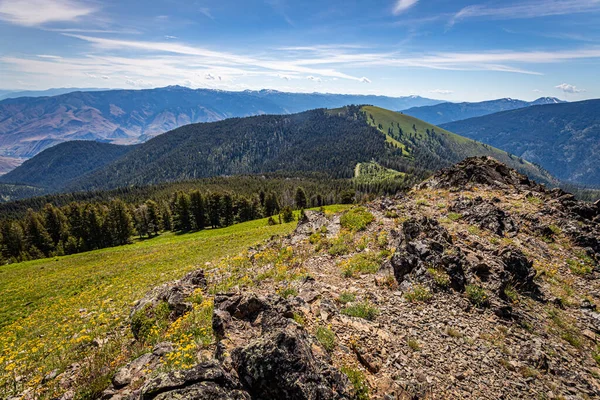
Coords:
pixel 326 337
pixel 477 295
pixel 341 244
pixel 362 310
pixel 356 219
pixel 299 319
pixel 441 278
pixel 287 214
pixel 287 292
pixel 511 294
pixel 418 293
pixel 346 297
pixel 357 378
pixel 413 344
pixel 145 320
pixel 452 216
pixel 361 264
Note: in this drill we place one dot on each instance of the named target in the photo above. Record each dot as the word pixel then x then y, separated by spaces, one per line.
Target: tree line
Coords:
pixel 85 226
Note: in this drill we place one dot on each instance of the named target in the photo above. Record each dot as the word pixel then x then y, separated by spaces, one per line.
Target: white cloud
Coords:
pixel 39 12
pixel 565 87
pixel 206 12
pixel 284 77
pixel 105 77
pixel 403 5
pixel 169 37
pixel 48 56
pixel 442 92
pixel 536 91
pixel 364 79
pixel 527 9
pixel 313 78
pixel 138 83
pixel 91 75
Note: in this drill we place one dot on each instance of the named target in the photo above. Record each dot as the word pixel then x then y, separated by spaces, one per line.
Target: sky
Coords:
pixel 455 50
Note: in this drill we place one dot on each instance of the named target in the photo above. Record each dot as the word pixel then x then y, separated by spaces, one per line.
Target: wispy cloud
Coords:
pixel 441 92
pixel 364 79
pixel 206 12
pixel 527 9
pixel 567 88
pixel 40 12
pixel 403 5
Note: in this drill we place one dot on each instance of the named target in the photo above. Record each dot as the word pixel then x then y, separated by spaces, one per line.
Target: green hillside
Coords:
pixel 431 147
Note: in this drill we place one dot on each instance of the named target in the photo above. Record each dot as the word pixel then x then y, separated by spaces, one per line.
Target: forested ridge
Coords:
pixel 326 142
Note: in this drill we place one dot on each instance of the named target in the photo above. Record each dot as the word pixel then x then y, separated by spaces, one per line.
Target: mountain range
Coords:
pixel 328 142
pixel 448 112
pixel 31 124
pixel 563 138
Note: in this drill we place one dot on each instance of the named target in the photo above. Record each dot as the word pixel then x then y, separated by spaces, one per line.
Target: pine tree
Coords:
pixel 300 199
pixel 167 218
pixel 56 224
pixel 94 234
pixel 182 217
pixel 245 210
pixel 271 205
pixel 197 209
pixel 36 235
pixel 227 208
pixel 287 214
pixel 13 240
pixel 142 220
pixel 214 210
pixel 120 223
pixel 154 217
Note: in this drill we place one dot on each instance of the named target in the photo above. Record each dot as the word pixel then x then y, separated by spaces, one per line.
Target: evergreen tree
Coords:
pixel 167 218
pixel 154 217
pixel 120 223
pixel 182 217
pixel 227 209
pixel 271 205
pixel 287 214
pixel 94 234
pixel 36 235
pixel 300 198
pixel 142 221
pixel 197 209
pixel 56 224
pixel 13 240
pixel 214 211
pixel 245 210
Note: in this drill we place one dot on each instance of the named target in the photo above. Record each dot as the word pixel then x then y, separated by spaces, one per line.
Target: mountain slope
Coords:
pixel 64 162
pixel 324 141
pixel 30 125
pixel 13 94
pixel 8 164
pixel 563 138
pixel 449 112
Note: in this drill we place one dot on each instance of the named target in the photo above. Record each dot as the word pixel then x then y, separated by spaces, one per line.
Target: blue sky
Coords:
pixel 448 49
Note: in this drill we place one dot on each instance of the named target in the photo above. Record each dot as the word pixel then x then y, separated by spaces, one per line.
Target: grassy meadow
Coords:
pixel 54 311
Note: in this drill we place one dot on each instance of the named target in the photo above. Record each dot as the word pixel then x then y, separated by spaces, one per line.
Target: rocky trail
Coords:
pixel 477 284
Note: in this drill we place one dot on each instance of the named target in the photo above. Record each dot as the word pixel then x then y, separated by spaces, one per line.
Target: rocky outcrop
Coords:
pixel 206 381
pixel 486 215
pixel 174 296
pixel 316 221
pixel 271 354
pixel 426 244
pixel 475 171
pixel 261 354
